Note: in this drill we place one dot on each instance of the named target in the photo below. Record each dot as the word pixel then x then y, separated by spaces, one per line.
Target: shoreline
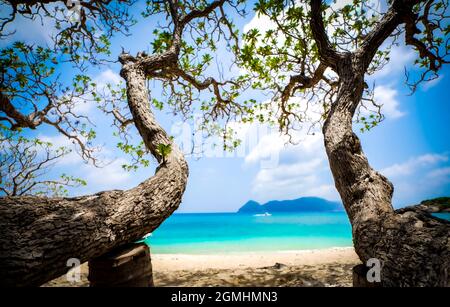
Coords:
pixel 259 251
pixel 329 267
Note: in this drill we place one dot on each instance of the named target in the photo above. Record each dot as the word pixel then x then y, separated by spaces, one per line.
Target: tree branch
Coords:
pixel 21 120
pixel 327 54
pixel 301 81
pixel 411 29
pixel 201 13
pixel 391 20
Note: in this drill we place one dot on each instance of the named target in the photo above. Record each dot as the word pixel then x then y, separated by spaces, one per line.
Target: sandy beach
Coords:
pixel 326 267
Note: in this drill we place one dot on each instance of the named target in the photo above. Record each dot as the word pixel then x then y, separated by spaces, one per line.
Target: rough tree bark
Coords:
pixel 40 234
pixel 413 247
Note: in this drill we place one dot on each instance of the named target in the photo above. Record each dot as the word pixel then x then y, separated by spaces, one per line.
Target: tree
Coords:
pixel 315 52
pixel 40 233
pixel 24 161
pixel 83 28
pixel 32 93
pixel 322 55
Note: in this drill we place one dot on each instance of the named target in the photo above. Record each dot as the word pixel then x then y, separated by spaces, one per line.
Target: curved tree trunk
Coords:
pixel 39 234
pixel 413 247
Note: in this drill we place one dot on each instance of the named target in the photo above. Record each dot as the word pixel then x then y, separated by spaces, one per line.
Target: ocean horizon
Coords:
pixel 218 233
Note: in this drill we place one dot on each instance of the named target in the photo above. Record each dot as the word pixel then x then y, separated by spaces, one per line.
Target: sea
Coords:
pixel 210 233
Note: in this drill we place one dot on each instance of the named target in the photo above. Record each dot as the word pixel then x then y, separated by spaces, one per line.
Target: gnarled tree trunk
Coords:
pixel 413 247
pixel 39 234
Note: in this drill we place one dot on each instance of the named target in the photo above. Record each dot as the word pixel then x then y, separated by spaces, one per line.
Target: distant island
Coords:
pixel 303 204
pixel 436 205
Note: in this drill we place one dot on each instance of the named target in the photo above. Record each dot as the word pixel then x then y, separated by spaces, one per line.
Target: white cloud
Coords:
pixel 288 171
pixel 59 140
pixel 274 144
pixel 86 107
pixel 414 164
pixel 387 97
pixel 400 57
pixel 37 31
pixel 272 184
pixel 302 169
pixel 440 173
pixel 108 177
pixel 111 175
pixel 327 191
pixel 261 22
pixel 268 146
pixel 107 76
pixel 424 183
pixel 81 107
pixel 74 158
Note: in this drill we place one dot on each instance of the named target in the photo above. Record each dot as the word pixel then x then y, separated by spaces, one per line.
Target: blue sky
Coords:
pixel 411 147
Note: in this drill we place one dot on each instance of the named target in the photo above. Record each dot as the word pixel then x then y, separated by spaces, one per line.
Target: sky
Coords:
pixel 411 146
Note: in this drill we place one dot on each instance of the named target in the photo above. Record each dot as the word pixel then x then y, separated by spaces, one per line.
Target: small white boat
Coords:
pixel 147 235
pixel 263 214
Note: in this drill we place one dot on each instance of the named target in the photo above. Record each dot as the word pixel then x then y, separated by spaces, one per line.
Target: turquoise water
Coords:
pixel 210 233
pixel 444 215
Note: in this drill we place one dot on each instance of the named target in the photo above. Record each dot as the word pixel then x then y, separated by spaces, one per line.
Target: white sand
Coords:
pixel 327 267
pixel 174 262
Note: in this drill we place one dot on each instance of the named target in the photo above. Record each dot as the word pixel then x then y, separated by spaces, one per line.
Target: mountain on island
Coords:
pixel 303 204
pixel 436 205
